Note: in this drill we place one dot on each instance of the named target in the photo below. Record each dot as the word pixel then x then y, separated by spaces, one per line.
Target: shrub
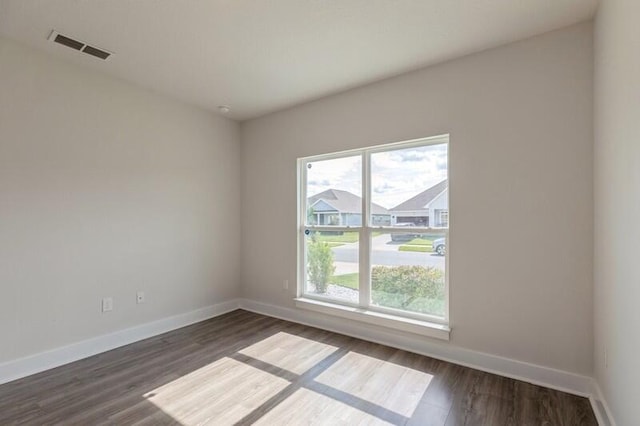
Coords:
pixel 402 286
pixel 320 264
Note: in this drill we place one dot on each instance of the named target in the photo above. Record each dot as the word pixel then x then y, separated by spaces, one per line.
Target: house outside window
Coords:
pixel 443 216
pixel 370 223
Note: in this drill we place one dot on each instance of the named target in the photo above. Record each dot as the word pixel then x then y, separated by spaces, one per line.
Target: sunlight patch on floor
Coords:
pixel 392 386
pixel 219 393
pixel 289 352
pixel 306 407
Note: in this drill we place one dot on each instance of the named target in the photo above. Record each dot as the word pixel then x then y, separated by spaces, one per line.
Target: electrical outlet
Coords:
pixel 107 304
pixel 285 285
pixel 140 297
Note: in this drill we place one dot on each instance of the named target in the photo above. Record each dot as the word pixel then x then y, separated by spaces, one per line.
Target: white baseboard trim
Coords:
pixel 544 376
pixel 600 406
pixel 22 367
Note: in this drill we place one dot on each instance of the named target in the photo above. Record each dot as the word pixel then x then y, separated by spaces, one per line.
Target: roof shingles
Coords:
pixel 420 201
pixel 345 202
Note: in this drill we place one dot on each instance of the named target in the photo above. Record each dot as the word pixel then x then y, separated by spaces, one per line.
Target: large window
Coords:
pixel 374 229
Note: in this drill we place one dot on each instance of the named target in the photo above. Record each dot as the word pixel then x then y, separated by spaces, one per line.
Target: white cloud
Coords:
pixel 396 175
pixel 340 173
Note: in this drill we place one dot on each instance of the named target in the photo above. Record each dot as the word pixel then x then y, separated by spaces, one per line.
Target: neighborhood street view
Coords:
pixel 385 252
pixel 407 258
pixel 408 222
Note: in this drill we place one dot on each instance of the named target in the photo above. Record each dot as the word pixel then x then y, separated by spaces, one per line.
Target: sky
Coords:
pixel 396 175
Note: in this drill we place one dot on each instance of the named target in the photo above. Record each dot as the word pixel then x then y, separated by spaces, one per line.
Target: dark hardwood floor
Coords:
pixel 243 368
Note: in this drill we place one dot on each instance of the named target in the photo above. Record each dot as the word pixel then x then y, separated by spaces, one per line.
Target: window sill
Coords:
pixel 424 328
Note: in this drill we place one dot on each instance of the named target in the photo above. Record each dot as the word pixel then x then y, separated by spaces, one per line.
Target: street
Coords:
pixel 384 252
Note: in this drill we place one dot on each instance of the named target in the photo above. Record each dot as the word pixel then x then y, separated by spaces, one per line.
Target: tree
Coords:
pixel 320 263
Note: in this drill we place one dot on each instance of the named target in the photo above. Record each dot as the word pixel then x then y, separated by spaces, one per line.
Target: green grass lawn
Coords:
pixel 346 280
pixel 419 242
pixel 421 245
pixel 419 249
pixel 345 238
pixel 333 244
pixel 338 240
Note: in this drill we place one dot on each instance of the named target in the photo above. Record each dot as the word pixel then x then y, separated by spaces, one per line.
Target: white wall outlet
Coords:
pixel 140 297
pixel 285 285
pixel 107 304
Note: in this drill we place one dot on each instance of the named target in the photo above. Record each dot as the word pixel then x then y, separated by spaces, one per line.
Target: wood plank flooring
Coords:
pixel 243 368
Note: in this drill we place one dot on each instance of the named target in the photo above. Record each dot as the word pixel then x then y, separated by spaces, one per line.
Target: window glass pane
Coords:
pixel 408 271
pixel 409 187
pixel 332 264
pixel 409 193
pixel 334 192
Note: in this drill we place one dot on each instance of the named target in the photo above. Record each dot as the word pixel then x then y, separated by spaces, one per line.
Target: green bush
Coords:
pixel 320 264
pixel 415 288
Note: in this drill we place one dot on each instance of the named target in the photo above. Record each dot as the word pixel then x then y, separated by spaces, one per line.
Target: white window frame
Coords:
pixel 429 325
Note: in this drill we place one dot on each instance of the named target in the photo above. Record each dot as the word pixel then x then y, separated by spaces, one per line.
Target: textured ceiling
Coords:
pixel 258 56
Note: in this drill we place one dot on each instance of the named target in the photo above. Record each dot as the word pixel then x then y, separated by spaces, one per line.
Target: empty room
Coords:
pixel 327 212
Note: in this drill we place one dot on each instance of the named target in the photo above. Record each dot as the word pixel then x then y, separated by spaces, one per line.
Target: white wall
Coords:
pixel 106 189
pixel 520 119
pixel 617 206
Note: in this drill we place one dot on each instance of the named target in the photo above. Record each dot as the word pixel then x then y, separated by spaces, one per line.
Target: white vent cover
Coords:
pixel 78 45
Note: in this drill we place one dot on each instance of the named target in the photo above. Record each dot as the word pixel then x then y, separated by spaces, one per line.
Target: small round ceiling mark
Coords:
pixel 224 109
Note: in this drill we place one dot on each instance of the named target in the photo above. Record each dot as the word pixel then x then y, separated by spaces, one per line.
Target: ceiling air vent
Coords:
pixel 81 46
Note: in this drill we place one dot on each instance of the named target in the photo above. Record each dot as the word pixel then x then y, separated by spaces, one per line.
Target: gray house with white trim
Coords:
pixel 342 208
pixel 428 208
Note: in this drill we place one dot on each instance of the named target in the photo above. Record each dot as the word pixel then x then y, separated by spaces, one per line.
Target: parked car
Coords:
pixel 440 246
pixel 403 236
